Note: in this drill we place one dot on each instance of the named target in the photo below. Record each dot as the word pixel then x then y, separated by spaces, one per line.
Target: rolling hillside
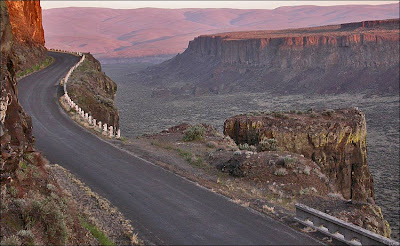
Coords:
pixel 127 33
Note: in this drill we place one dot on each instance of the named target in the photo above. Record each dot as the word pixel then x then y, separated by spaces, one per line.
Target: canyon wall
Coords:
pixel 94 91
pixel 334 140
pixel 354 57
pixel 26 22
pixel 304 49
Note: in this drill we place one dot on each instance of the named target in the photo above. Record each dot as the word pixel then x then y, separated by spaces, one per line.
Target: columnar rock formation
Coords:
pixel 306 48
pixel 335 140
pixel 352 57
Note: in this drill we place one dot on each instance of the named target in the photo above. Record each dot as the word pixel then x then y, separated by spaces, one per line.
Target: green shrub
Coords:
pixel 50 213
pixel 304 191
pixel 23 165
pixel 237 153
pixel 280 115
pixel 13 240
pixel 328 112
pixel 13 191
pixel 268 144
pixel 244 146
pixel 307 170
pixel 289 161
pixel 212 144
pixel 281 172
pixel 193 133
pixel 308 190
pixel 185 154
pixel 27 235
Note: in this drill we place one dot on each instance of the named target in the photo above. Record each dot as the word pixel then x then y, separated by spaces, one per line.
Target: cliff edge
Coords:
pixel 353 57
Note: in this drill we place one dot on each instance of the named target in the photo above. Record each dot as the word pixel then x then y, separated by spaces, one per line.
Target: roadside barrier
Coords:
pixel 109 131
pixel 340 230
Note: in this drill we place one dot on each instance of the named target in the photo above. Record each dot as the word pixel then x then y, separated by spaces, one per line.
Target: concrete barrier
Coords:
pixel 85 116
pixel 340 230
pixel 105 128
pixel 110 131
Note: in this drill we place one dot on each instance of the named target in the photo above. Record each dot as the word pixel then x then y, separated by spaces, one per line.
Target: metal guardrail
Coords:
pixel 340 230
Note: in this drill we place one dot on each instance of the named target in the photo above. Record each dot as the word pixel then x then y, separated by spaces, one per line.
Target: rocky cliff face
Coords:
pixel 26 23
pixel 16 125
pixel 34 208
pixel 335 140
pixel 94 91
pixel 351 57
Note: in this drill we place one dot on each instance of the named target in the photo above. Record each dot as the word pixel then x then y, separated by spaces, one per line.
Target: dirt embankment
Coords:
pixel 94 91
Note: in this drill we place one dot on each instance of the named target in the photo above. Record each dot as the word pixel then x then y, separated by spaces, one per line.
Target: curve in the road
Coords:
pixel 165 208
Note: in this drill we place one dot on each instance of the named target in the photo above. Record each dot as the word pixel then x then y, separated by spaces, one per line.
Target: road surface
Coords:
pixel 164 208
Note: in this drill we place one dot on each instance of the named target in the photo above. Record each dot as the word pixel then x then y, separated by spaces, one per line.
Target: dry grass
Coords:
pixel 108 209
pixel 268 209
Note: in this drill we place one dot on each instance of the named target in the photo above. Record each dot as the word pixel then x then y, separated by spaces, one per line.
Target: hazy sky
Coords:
pixel 47 4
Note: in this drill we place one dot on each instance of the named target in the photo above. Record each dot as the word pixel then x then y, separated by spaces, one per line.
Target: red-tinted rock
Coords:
pixel 26 22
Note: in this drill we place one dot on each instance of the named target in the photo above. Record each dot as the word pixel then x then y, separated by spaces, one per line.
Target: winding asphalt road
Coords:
pixel 164 208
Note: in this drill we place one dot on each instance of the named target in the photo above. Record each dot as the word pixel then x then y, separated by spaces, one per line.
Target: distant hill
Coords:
pixel 127 33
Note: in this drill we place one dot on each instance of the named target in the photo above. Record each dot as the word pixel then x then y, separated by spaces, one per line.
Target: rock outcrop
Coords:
pixel 350 57
pixel 334 140
pixel 94 91
pixel 26 23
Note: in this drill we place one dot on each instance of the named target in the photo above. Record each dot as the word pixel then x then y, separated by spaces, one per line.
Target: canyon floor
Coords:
pixel 141 114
